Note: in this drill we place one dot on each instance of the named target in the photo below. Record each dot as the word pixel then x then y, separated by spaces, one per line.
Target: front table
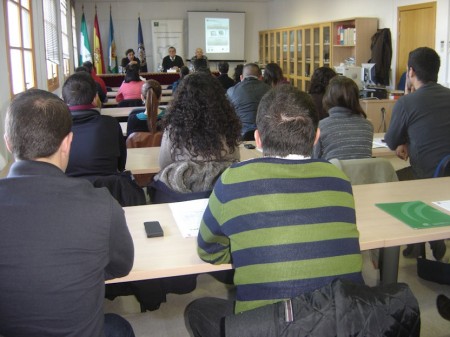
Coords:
pixel 173 255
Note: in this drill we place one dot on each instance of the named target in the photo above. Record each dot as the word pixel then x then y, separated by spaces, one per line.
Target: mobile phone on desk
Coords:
pixel 250 146
pixel 153 229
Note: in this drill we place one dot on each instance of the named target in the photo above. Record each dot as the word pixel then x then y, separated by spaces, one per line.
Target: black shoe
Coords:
pixel 439 248
pixel 443 306
pixel 412 251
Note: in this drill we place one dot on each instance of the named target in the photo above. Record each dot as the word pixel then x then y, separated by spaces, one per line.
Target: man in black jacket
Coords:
pixel 172 61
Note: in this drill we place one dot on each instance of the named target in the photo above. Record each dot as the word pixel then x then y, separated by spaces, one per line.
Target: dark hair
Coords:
pixel 36 123
pixel 88 65
pixel 132 73
pixel 81 68
pixel 184 71
pixel 238 72
pixel 201 119
pixel 79 89
pixel 287 122
pixel 320 79
pixel 224 67
pixel 130 50
pixel 273 74
pixel 343 92
pixel 425 63
pixel 199 64
pixel 151 90
pixel 251 69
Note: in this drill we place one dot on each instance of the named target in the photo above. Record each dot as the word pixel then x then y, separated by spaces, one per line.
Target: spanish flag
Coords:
pixel 98 51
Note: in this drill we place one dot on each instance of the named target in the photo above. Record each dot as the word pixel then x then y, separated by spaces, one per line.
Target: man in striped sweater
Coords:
pixel 285 221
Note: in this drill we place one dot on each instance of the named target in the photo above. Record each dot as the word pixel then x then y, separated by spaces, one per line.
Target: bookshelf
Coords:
pixel 301 49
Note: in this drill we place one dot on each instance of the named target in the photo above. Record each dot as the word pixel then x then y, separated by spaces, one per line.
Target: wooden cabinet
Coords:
pixel 379 112
pixel 352 39
pixel 302 49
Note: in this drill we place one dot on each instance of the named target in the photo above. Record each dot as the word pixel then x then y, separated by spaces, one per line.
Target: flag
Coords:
pixel 99 65
pixel 141 48
pixel 112 56
pixel 85 47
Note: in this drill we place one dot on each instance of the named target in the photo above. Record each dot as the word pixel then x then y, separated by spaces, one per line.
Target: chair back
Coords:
pixel 144 139
pixel 130 102
pixel 159 193
pixel 443 168
pixel 367 170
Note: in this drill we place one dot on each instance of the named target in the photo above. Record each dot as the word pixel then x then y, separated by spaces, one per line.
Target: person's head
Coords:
pixel 201 119
pixel 132 73
pixel 81 68
pixel 320 79
pixel 129 53
pixel 151 95
pixel 37 124
pixel 184 71
pixel 199 53
pixel 79 89
pixel 343 92
pixel 251 69
pixel 286 122
pixel 425 63
pixel 88 65
pixel 273 74
pixel 238 72
pixel 199 64
pixel 224 67
pixel 172 51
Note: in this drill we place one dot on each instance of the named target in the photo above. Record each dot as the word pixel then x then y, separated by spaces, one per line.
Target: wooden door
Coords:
pixel 416 28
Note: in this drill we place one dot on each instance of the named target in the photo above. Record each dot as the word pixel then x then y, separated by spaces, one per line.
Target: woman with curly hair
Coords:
pixel 201 135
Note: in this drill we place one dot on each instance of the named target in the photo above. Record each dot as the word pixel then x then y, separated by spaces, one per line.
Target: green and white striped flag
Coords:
pixel 85 47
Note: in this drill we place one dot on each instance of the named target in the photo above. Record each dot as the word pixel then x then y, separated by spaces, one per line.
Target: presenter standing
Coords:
pixel 172 61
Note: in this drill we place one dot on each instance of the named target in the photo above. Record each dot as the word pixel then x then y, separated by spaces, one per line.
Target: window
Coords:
pixel 19 43
pixel 65 38
pixel 51 43
pixel 74 36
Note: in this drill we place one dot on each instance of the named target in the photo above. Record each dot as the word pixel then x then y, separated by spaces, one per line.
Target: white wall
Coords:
pixel 4 90
pixel 125 19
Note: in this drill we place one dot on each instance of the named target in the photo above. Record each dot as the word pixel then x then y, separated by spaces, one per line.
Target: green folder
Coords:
pixel 416 214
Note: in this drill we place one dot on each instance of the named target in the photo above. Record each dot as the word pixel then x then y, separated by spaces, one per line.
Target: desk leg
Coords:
pixel 390 258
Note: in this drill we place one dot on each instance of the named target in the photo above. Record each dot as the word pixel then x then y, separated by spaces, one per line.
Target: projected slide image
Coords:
pixel 217 35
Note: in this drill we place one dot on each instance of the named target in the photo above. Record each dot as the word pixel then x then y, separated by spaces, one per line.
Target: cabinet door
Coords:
pixel 284 52
pixel 292 55
pixel 325 45
pixel 300 56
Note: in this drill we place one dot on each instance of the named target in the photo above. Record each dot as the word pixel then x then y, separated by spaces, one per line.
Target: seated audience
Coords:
pixel 172 61
pixel 138 118
pixel 60 238
pixel 131 86
pixel 319 82
pixel 98 147
pixel 245 96
pixel 130 59
pixel 91 70
pixel 200 137
pixel 101 95
pixel 184 71
pixel 285 222
pixel 273 75
pixel 238 73
pixel 223 77
pixel 346 133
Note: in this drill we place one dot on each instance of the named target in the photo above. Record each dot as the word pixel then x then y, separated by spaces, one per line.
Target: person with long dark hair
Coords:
pixel 131 86
pixel 201 134
pixel 319 82
pixel 346 133
pixel 273 75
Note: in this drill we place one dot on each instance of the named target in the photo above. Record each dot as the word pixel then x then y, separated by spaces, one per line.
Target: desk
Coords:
pixel 172 255
pixel 118 112
pixel 374 110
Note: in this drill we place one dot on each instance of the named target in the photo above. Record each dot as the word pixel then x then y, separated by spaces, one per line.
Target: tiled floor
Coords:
pixel 168 321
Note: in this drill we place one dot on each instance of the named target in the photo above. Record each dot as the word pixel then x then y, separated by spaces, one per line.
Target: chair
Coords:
pixel 130 103
pixel 443 168
pixel 144 139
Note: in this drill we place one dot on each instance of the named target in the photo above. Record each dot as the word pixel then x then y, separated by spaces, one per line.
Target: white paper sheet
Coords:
pixel 188 215
pixel 445 204
pixel 378 142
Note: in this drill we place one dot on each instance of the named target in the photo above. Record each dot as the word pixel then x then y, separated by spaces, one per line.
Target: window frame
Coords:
pixel 52 66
